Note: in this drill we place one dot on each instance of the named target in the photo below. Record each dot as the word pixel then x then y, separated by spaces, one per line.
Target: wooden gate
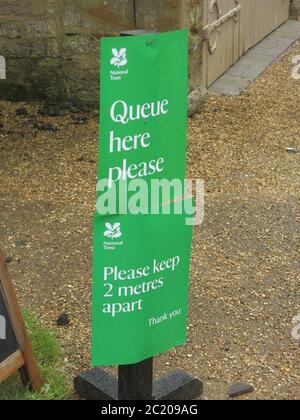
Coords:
pixel 231 27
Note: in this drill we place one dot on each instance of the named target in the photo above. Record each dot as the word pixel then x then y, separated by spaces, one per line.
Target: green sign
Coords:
pixel 144 83
pixel 141 262
pixel 140 293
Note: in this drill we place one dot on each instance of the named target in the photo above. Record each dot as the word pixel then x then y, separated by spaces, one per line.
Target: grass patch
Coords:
pixel 47 352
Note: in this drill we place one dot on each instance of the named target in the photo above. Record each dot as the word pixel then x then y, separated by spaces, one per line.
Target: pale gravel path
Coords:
pixel 245 262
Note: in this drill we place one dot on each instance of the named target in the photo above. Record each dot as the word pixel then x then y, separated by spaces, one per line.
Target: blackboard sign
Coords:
pixel 8 342
pixel 15 348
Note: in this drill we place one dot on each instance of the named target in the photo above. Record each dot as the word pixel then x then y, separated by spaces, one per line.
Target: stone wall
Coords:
pixel 51 46
pixel 295 9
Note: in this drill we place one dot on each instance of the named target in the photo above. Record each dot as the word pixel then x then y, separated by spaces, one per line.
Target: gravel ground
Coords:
pixel 245 260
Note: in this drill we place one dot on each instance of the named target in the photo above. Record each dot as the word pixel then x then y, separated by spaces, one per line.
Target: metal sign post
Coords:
pixel 135 383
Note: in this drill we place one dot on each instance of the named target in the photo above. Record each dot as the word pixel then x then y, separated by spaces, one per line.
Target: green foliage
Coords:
pixel 47 352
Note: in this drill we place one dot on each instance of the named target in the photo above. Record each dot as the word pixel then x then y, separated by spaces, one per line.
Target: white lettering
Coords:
pixel 128 143
pixel 122 113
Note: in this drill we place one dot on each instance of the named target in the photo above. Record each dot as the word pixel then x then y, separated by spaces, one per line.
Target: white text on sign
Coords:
pixel 123 113
pixel 113 275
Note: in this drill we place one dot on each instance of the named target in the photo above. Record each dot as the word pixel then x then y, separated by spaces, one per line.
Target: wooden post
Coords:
pixel 29 371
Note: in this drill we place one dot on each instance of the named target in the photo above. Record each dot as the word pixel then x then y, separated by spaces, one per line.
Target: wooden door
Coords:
pixel 231 27
pixel 220 47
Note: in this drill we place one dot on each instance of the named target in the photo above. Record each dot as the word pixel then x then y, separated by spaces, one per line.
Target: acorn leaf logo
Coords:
pixel 113 231
pixel 119 57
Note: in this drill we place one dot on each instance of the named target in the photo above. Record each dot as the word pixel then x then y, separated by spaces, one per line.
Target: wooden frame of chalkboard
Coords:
pixel 17 354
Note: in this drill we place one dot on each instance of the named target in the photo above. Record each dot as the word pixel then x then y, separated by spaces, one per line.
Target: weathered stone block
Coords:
pixel 195 99
pixel 11 29
pixel 47 80
pixel 109 16
pixel 7 47
pixel 40 28
pixel 23 8
pixel 53 48
pixel 295 9
pixel 80 44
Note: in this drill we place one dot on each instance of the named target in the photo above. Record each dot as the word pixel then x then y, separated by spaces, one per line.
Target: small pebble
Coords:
pixel 63 320
pixel 21 112
pixel 21 243
pixel 240 389
pixel 292 150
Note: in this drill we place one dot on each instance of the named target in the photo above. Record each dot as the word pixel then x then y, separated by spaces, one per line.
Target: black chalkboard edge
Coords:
pixel 29 371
